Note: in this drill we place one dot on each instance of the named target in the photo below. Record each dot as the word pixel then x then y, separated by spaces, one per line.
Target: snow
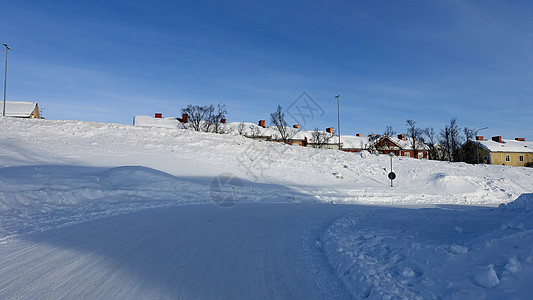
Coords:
pixel 404 257
pixel 98 210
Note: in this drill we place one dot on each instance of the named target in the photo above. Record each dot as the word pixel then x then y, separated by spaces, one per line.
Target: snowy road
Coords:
pixel 200 252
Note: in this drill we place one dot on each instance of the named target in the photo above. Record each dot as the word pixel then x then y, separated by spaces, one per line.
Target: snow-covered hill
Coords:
pixel 54 174
pixel 310 174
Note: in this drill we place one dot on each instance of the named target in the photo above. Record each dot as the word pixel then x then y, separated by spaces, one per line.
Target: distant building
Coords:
pixel 20 109
pixel 399 146
pixel 498 151
pixel 402 146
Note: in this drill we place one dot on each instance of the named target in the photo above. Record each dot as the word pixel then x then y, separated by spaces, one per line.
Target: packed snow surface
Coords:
pixel 96 210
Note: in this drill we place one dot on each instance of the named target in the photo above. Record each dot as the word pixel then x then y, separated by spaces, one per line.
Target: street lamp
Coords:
pixel 339 118
pixel 477 142
pixel 5 82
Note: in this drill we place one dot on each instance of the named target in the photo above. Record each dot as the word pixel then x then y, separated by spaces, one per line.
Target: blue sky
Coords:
pixel 391 60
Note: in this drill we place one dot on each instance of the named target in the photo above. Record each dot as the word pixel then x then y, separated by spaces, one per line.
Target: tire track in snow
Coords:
pixel 248 251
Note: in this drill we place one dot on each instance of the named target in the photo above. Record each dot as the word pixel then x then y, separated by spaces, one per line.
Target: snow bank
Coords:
pixel 48 164
pixel 473 254
pixel 38 197
pixel 43 196
pixel 523 203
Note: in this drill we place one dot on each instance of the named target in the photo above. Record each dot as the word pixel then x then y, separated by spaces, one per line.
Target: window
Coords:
pixel 507 157
pixel 521 158
pixel 407 154
pixel 420 155
pixel 485 159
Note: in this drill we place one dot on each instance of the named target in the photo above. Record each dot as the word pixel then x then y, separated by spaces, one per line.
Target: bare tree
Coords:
pixel 196 114
pixel 415 136
pixel 451 139
pixel 278 119
pixel 372 140
pixel 431 138
pixel 446 143
pixel 320 138
pixel 215 118
pixel 389 131
pixel 205 118
pixel 469 149
pixel 254 131
pixel 208 120
pixel 241 128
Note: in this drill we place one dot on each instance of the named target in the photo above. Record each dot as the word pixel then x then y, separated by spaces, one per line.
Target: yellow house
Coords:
pixel 498 151
pixel 19 109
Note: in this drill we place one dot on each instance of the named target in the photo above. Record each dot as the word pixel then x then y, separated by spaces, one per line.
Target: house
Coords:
pixel 354 143
pixel 498 151
pixel 18 109
pixel 400 146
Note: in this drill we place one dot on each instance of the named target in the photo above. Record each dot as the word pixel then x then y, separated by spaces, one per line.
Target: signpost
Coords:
pixel 391 175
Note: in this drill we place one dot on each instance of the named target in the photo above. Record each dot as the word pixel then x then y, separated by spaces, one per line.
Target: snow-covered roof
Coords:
pixel 354 142
pixel 507 146
pixel 155 122
pixel 19 108
pixel 407 144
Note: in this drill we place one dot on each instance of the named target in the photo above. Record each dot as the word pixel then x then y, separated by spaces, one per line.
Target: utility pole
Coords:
pixel 5 82
pixel 339 118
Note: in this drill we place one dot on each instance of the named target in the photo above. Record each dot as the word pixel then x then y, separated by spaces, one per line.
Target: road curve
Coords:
pixel 248 251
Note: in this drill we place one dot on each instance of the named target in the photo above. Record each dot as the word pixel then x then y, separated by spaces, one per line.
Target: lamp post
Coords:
pixel 477 142
pixel 5 82
pixel 339 118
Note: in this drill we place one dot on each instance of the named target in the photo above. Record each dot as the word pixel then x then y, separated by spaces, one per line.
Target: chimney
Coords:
pixel 223 121
pixel 158 115
pixel 185 118
pixel 401 137
pixel 262 123
pixel 359 135
pixel 497 139
pixel 520 139
pixel 329 130
pixel 479 138
pixel 296 126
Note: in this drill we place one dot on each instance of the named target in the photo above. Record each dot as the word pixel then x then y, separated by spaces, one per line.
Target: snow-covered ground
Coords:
pixel 98 210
